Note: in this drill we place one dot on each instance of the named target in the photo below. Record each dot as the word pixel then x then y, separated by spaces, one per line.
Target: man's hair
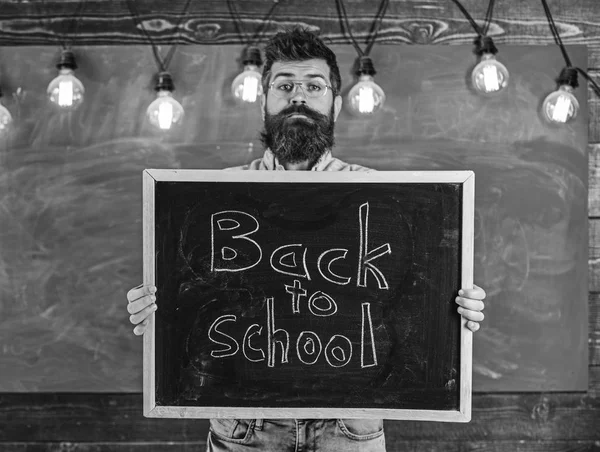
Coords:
pixel 300 44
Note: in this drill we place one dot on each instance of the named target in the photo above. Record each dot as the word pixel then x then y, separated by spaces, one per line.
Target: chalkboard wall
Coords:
pixel 70 246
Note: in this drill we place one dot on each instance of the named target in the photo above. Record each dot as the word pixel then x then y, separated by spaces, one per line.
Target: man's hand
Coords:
pixel 141 304
pixel 470 303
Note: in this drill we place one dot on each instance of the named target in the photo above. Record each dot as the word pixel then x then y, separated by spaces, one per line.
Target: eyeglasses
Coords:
pixel 286 89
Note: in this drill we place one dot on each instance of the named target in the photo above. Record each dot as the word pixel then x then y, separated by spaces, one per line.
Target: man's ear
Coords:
pixel 263 105
pixel 337 107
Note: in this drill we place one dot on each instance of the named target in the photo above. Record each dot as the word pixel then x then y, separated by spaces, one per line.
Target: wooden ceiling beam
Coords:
pixel 210 22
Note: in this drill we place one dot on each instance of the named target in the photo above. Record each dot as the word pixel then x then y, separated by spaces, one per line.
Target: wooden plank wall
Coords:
pixel 541 422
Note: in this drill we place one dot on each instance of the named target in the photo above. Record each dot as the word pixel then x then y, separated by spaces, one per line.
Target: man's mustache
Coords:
pixel 302 110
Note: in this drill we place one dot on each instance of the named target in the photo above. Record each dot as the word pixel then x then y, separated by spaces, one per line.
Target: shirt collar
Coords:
pixel 270 162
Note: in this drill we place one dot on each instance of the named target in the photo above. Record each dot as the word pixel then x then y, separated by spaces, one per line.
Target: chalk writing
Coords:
pixel 232 250
pixel 326 272
pixel 284 261
pixel 227 221
pixel 338 351
pixel 231 228
pixel 297 292
pixel 366 257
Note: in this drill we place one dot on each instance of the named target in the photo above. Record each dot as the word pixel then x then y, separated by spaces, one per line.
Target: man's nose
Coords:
pixel 299 97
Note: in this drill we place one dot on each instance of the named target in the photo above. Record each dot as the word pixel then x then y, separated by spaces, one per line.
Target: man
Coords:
pixel 300 105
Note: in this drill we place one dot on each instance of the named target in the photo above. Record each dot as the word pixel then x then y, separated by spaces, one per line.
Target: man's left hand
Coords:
pixel 471 305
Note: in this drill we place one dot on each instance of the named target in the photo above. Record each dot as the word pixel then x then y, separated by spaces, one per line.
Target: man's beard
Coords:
pixel 295 140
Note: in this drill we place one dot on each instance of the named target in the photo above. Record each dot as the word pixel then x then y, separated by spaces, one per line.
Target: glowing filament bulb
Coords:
pixel 561 109
pixel 165 111
pixel 490 76
pixel 246 87
pixel 560 106
pixel 366 100
pixel 366 97
pixel 5 119
pixel 250 93
pixel 165 115
pixel 65 93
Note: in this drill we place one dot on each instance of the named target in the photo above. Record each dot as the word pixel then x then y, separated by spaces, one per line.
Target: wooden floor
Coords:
pixel 540 422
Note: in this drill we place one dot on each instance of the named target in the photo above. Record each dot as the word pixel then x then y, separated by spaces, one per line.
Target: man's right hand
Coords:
pixel 141 304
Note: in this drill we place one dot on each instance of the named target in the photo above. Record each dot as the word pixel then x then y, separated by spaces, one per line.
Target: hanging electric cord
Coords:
pixel 569 74
pixel 555 34
pixel 489 77
pixel 73 24
pixel 163 65
pixel 488 17
pixel 258 33
pixel 246 86
pixel 483 42
pixel 375 27
pixel 66 91
pixel 366 97
pixel 164 111
pixel 468 16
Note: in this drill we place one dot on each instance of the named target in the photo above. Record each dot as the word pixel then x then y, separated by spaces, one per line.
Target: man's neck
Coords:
pixel 299 166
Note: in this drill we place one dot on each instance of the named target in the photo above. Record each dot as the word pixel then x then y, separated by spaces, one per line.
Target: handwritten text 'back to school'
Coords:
pixel 234 228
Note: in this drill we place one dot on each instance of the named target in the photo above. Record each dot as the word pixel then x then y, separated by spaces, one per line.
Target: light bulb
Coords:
pixel 366 97
pixel 490 76
pixel 5 120
pixel 164 111
pixel 561 106
pixel 66 91
pixel 247 86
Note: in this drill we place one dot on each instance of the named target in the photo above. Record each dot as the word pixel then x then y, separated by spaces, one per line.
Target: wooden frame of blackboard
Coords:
pixel 465 178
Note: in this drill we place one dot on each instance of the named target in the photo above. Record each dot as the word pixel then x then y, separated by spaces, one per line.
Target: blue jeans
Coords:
pixel 296 435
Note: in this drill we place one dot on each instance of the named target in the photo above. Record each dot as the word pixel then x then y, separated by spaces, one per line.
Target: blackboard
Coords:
pixel 307 295
pixel 72 222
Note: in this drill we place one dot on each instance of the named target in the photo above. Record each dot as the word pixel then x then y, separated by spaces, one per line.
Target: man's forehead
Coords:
pixel 314 67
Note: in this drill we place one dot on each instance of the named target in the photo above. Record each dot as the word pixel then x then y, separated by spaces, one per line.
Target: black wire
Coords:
pixel 476 27
pixel 374 27
pixel 138 23
pixel 177 31
pixel 595 85
pixel 40 14
pixel 488 17
pixel 237 22
pixel 558 40
pixel 555 33
pixel 264 23
pixel 75 20
pixel 163 65
pixel 346 26
pixel 377 25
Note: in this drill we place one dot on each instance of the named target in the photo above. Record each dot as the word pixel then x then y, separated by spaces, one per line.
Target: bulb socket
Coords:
pixel 365 66
pixel 164 82
pixel 251 55
pixel 568 76
pixel 485 44
pixel 67 60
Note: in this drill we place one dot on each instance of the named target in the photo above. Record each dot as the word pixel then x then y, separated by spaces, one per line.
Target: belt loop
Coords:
pixel 259 424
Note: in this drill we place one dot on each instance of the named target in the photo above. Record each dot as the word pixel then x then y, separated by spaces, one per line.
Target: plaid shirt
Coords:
pixel 327 162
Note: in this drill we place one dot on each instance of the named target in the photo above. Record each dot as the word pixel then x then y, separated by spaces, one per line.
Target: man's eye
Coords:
pixel 285 87
pixel 314 87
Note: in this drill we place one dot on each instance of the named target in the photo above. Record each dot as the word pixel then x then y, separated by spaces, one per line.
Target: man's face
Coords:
pixel 299 128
